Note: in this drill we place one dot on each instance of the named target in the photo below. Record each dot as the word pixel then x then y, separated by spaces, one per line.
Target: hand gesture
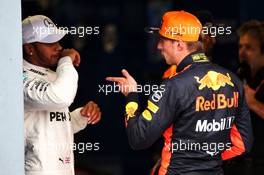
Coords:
pixel 75 56
pixel 127 83
pixel 250 96
pixel 92 112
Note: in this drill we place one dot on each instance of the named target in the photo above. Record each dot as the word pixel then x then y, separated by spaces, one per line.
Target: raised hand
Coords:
pixel 74 54
pixel 127 83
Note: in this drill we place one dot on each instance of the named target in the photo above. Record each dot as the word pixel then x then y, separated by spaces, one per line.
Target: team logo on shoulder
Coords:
pixel 131 108
pixel 214 80
pixel 200 57
pixel 152 107
pixel 157 96
pixel 147 115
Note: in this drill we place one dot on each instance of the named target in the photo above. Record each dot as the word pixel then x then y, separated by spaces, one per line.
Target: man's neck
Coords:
pixel 254 71
pixel 184 55
pixel 35 62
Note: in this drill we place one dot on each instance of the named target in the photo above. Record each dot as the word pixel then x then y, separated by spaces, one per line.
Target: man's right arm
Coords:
pixel 60 93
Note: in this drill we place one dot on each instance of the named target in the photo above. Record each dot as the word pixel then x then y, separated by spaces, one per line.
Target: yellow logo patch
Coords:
pixel 200 57
pixel 152 107
pixel 131 108
pixel 147 115
pixel 214 80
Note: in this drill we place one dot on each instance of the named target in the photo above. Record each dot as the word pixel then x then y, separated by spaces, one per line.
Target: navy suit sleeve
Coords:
pixel 143 129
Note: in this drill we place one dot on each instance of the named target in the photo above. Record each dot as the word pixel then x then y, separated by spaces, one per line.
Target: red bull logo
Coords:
pixel 214 80
pixel 218 101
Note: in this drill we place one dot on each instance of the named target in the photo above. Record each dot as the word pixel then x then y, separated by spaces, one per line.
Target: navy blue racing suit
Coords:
pixel 201 111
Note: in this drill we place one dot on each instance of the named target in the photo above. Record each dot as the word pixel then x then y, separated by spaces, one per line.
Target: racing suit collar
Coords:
pixel 194 57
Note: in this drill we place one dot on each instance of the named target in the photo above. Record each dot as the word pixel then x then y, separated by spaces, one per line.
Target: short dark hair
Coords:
pixel 255 29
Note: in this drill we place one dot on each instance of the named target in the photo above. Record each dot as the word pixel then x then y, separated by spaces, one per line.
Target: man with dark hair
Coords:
pixel 251 47
pixel 251 71
pixel 49 126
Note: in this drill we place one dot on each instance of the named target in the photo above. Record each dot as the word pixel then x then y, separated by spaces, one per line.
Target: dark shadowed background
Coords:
pixel 122 43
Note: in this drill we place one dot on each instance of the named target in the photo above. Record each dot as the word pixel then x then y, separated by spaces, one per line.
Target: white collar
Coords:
pixel 32 66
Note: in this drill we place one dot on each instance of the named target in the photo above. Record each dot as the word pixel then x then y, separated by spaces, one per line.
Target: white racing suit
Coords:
pixel 49 126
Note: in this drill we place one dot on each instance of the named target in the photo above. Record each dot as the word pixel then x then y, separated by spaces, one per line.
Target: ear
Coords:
pixel 28 48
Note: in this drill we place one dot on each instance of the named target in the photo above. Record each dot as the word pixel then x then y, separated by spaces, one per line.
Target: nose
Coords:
pixel 159 45
pixel 242 54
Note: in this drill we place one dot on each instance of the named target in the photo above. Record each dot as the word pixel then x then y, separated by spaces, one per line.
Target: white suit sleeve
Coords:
pixel 60 93
pixel 78 121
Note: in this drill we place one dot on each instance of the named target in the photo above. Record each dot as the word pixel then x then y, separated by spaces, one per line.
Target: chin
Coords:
pixel 55 61
pixel 169 63
pixel 53 64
